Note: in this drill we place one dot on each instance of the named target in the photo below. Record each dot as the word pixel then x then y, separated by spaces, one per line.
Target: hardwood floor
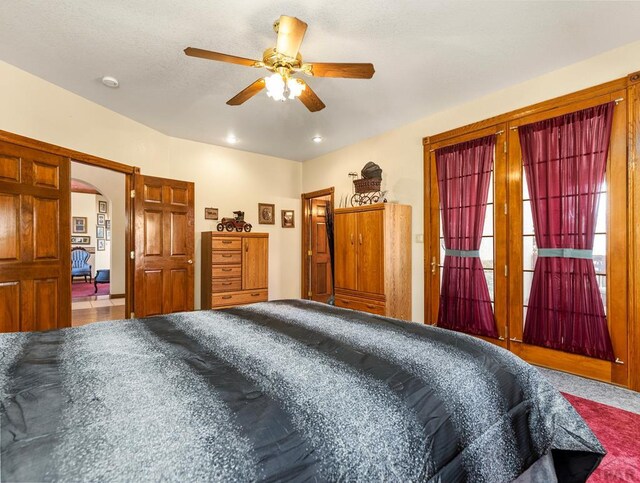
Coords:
pixel 95 309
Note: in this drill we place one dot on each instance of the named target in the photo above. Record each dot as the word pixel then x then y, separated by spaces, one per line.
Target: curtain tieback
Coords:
pixel 461 253
pixel 565 253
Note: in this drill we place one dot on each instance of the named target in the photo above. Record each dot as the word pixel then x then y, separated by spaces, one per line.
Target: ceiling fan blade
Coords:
pixel 247 93
pixel 290 34
pixel 310 99
pixel 351 71
pixel 232 59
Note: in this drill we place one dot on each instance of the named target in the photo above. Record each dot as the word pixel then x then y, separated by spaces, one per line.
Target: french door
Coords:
pixel 610 254
pixel 508 250
pixel 493 252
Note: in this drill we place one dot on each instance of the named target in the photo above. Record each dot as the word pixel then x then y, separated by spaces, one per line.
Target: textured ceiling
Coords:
pixel 428 55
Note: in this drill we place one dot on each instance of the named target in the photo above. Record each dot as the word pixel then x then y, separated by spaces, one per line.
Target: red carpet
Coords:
pixel 618 432
pixel 82 289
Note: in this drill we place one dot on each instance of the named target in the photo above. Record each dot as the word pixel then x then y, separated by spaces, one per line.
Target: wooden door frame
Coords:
pixel 629 84
pixel 98 162
pixel 305 198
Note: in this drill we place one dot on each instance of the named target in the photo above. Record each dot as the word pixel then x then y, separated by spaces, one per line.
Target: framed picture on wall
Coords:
pixel 266 214
pixel 101 245
pixel 107 224
pixel 107 234
pixel 287 218
pixel 101 219
pixel 80 240
pixel 211 213
pixel 99 232
pixel 102 206
pixel 79 224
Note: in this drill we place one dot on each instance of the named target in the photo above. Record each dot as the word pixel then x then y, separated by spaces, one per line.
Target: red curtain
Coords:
pixel 564 162
pixel 464 173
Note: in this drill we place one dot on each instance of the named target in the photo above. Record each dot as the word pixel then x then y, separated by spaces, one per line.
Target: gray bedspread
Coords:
pixel 278 391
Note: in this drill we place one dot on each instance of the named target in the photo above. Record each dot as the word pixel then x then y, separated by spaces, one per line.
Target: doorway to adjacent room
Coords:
pixel 98 262
pixel 317 279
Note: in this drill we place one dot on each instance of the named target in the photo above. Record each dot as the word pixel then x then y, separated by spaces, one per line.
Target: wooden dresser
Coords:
pixel 373 259
pixel 234 269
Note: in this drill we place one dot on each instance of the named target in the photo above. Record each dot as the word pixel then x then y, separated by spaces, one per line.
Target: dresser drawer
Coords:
pixel 226 257
pixel 226 243
pixel 371 306
pixel 238 298
pixel 226 271
pixel 226 285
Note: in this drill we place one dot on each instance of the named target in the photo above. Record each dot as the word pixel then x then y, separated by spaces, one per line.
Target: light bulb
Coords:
pixel 295 87
pixel 275 87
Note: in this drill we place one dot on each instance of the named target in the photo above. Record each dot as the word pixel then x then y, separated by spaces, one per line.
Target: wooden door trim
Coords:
pixel 305 200
pixel 96 161
pixel 627 87
pixel 65 152
pixel 584 94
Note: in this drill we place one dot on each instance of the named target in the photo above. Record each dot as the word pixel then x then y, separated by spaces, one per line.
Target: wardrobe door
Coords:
pixel 370 250
pixel 345 234
pixel 255 261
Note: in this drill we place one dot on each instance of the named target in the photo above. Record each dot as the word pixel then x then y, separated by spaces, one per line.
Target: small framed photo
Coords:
pixel 80 240
pixel 79 224
pixel 211 213
pixel 99 232
pixel 101 245
pixel 101 219
pixel 287 218
pixel 107 234
pixel 102 206
pixel 266 214
pixel 107 224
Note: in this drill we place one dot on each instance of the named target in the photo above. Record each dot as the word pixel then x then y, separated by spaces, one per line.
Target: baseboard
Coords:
pixel 116 296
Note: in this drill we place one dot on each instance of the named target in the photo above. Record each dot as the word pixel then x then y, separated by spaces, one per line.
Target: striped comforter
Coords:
pixel 287 390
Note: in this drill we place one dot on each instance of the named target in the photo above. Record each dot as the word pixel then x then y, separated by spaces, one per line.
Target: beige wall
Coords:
pixel 232 179
pixel 399 152
pixel 225 178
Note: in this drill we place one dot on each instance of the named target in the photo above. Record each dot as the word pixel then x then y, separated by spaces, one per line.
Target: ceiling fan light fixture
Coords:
pixel 280 88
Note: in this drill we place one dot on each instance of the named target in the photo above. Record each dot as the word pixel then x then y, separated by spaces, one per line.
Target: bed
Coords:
pixel 279 391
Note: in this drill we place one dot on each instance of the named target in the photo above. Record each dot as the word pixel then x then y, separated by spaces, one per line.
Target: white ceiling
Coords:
pixel 428 55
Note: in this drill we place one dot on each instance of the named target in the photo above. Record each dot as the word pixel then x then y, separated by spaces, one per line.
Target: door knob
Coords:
pixel 189 261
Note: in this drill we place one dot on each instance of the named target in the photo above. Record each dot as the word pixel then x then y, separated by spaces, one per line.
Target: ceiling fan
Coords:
pixel 284 61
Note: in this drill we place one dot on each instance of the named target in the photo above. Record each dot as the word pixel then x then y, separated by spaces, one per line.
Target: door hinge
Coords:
pixel 132 255
pixel 505 209
pixel 132 193
pixel 505 147
pixel 309 253
pixel 506 270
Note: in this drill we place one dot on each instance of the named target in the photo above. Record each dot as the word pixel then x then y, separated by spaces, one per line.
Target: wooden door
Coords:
pixel 345 233
pixel 612 272
pixel 370 250
pixel 35 240
pixel 493 247
pixel 164 246
pixel 255 263
pixel 320 259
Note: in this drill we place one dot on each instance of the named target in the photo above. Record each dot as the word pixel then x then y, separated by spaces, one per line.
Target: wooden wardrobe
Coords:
pixel 234 269
pixel 373 259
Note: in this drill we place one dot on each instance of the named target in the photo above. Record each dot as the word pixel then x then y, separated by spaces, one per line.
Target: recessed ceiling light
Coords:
pixel 317 139
pixel 231 139
pixel 110 81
